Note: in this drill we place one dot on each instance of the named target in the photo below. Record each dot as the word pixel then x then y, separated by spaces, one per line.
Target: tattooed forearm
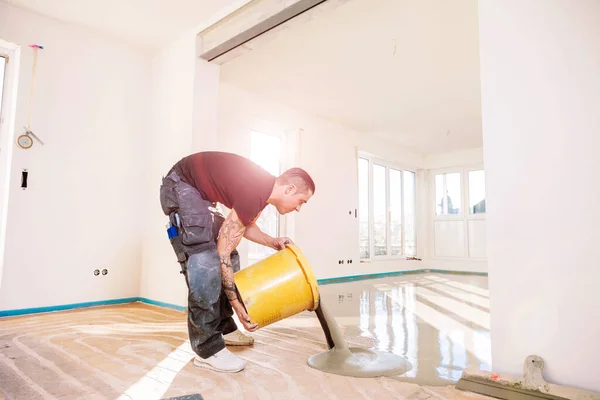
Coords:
pixel 230 235
pixel 227 277
pixel 230 290
pixel 226 259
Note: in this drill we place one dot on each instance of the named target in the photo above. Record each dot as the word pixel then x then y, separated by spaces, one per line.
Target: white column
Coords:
pixel 182 121
pixel 206 98
pixel 540 73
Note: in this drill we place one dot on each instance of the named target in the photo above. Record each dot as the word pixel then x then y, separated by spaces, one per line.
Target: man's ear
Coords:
pixel 290 189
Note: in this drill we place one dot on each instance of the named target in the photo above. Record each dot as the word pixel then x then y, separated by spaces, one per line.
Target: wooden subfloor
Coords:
pixel 138 351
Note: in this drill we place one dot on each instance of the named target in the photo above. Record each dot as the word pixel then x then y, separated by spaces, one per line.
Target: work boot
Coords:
pixel 223 361
pixel 238 338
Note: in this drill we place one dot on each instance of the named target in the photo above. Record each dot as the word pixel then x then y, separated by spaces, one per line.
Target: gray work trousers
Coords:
pixel 209 311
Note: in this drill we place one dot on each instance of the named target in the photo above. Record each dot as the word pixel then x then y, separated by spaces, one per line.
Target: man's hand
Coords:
pixel 280 243
pixel 239 309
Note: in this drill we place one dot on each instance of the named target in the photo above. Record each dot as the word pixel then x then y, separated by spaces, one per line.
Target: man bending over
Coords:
pixel 206 241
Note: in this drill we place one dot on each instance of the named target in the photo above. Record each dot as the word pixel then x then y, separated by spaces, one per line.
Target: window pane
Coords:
pixel 410 215
pixel 439 190
pixel 265 151
pixel 448 200
pixel 363 207
pixel 379 211
pixel 454 193
pixel 395 212
pixel 477 192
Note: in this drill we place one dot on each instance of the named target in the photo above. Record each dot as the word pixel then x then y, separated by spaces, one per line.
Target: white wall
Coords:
pixel 541 95
pixel 81 210
pixel 324 229
pixel 460 158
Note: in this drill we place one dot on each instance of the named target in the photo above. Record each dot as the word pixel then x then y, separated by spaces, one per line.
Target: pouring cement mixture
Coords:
pixel 288 275
pixel 356 362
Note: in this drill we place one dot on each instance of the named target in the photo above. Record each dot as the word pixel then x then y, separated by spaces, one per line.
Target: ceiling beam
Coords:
pixel 277 18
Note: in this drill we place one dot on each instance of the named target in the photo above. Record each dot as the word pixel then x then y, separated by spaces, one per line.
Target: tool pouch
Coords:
pixel 196 229
pixel 175 237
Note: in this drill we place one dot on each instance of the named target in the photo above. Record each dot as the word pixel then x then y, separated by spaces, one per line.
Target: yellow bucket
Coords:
pixel 278 287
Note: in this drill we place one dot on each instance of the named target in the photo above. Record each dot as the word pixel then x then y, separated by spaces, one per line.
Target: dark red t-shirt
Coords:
pixel 230 179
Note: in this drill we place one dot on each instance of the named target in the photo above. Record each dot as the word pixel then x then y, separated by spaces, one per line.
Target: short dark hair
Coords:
pixel 298 177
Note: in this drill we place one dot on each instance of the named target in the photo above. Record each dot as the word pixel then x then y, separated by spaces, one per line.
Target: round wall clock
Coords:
pixel 24 141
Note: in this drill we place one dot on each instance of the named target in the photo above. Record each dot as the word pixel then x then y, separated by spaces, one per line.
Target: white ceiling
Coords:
pixel 147 24
pixel 407 70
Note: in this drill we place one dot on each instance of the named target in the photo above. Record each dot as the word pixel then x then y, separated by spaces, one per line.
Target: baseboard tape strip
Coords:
pixel 342 279
pixel 327 281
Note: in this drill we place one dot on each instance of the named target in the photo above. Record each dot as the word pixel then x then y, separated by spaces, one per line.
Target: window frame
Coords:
pixel 12 53
pixel 401 167
pixel 3 79
pixel 465 215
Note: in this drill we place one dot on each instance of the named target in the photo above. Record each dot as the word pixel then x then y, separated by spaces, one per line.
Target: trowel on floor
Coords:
pixel 531 386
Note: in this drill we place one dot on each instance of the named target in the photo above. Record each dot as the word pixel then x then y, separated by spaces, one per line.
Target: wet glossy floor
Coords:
pixel 438 322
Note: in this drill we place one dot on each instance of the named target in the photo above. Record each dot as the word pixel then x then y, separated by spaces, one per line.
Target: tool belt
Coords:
pixel 194 222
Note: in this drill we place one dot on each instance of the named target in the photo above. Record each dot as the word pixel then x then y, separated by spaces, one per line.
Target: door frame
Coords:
pixel 12 53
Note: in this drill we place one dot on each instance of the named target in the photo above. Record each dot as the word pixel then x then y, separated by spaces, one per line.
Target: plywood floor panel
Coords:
pixel 139 351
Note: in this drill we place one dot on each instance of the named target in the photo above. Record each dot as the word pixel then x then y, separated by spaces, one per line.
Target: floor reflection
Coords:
pixel 438 322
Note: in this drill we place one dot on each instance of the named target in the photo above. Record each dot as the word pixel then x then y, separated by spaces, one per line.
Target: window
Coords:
pixel 386 202
pixel 448 193
pixel 458 223
pixel 395 212
pixel 265 150
pixel 363 205
pixel 477 192
pixel 379 211
pixel 410 213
